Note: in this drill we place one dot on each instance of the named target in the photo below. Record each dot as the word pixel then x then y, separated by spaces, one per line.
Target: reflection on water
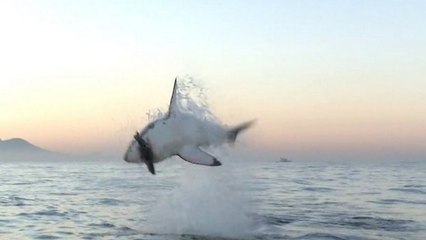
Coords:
pixel 240 200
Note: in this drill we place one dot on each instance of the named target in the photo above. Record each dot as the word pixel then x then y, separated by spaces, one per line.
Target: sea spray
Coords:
pixel 191 99
pixel 207 202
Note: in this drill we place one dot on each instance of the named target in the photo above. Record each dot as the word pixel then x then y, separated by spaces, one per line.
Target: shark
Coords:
pixel 180 134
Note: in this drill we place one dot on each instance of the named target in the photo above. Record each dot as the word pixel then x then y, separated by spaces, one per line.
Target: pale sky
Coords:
pixel 321 77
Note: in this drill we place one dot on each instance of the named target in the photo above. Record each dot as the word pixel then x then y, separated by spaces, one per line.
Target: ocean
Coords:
pixel 242 199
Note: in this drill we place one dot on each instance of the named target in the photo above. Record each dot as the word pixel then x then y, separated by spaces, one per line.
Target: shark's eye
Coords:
pixel 151 125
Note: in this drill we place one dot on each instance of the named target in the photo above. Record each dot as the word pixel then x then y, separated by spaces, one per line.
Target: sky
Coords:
pixel 324 79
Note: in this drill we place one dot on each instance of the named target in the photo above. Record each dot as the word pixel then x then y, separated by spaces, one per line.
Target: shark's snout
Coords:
pixel 132 160
pixel 127 159
pixel 132 154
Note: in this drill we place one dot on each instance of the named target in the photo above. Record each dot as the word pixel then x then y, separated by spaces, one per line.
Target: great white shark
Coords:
pixel 181 134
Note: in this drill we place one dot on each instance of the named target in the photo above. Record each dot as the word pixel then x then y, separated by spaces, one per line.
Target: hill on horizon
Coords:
pixel 19 149
pixel 19 144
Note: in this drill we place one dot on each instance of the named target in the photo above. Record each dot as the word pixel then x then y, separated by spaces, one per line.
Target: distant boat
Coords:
pixel 284 160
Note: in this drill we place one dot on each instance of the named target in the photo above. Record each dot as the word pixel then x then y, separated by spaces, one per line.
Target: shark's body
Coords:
pixel 179 134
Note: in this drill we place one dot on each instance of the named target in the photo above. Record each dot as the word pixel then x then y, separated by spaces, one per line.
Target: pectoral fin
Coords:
pixel 150 166
pixel 195 155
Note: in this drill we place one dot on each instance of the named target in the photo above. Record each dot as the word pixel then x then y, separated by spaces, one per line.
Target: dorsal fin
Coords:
pixel 172 104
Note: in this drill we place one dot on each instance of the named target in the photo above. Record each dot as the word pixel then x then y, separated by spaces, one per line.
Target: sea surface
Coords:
pixel 242 199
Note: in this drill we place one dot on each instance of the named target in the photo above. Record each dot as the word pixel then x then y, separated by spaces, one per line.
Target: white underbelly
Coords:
pixel 169 137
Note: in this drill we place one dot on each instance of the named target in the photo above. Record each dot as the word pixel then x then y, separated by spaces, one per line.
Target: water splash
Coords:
pixel 207 202
pixel 191 99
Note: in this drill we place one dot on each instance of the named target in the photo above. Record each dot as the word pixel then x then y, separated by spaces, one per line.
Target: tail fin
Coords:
pixel 233 133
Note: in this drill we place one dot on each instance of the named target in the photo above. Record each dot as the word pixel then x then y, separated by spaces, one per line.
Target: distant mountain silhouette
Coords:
pixel 18 149
pixel 19 144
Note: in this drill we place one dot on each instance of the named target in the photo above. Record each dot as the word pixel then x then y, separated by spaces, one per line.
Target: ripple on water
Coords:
pixel 375 223
pixel 273 220
pixel 320 236
pixel 414 186
pixel 409 190
pixel 102 225
pixel 47 237
pixel 318 189
pixel 399 201
pixel 52 212
pixel 13 201
pixel 109 201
